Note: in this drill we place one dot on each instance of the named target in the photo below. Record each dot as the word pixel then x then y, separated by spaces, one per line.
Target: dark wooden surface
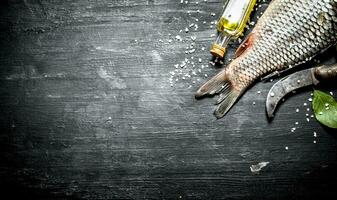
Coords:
pixel 87 111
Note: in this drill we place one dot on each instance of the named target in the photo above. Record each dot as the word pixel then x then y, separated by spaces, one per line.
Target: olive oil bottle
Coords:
pixel 231 24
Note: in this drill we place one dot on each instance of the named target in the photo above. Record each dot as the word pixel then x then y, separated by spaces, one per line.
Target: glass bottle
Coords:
pixel 231 24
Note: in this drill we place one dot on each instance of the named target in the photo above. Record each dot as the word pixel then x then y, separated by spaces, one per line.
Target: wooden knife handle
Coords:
pixel 325 73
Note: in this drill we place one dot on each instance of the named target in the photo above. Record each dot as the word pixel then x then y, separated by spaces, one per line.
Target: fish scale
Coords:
pixel 289 33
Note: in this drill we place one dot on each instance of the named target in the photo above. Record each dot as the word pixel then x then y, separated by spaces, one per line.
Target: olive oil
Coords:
pixel 231 24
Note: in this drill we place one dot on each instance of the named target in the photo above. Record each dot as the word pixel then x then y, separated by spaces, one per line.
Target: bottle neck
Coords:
pixel 223 39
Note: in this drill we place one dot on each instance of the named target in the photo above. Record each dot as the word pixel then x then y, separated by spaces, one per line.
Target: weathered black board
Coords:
pixel 87 111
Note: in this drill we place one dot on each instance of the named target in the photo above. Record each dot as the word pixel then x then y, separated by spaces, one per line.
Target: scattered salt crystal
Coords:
pixel 286 148
pixel 186 30
pixel 259 92
pixel 297 110
pixel 178 37
pixel 200 60
pixel 254 103
pixel 256 168
pixel 310 99
pixel 212 14
pixel 305 104
pixel 298 81
pixel 308 119
pixel 331 93
pixel 272 94
pixel 315 134
pixel 296 123
pixel 314 142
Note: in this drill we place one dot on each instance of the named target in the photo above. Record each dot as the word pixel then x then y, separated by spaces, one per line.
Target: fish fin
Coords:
pixel 226 101
pixel 220 84
pixel 246 44
pixel 214 85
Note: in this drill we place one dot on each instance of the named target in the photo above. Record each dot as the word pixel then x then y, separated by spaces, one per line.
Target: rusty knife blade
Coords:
pixel 286 85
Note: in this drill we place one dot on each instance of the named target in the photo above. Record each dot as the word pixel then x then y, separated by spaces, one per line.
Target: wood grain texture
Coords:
pixel 87 111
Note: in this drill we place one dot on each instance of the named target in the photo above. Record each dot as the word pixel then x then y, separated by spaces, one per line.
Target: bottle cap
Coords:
pixel 217 50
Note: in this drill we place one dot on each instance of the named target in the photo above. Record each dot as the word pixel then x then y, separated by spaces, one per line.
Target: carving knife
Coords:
pixel 312 76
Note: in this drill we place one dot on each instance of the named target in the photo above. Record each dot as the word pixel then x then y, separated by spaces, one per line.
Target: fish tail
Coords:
pixel 220 84
pixel 226 101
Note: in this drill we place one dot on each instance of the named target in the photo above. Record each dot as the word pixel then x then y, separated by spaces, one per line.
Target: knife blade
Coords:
pixel 304 78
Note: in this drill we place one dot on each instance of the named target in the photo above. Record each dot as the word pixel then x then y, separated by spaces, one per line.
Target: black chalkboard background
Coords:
pixel 87 110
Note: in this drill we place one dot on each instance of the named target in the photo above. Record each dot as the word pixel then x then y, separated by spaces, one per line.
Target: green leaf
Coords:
pixel 325 109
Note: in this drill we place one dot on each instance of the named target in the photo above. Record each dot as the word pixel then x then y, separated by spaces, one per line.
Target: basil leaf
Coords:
pixel 325 109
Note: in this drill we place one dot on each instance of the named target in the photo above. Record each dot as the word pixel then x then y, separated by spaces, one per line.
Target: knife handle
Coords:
pixel 325 73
